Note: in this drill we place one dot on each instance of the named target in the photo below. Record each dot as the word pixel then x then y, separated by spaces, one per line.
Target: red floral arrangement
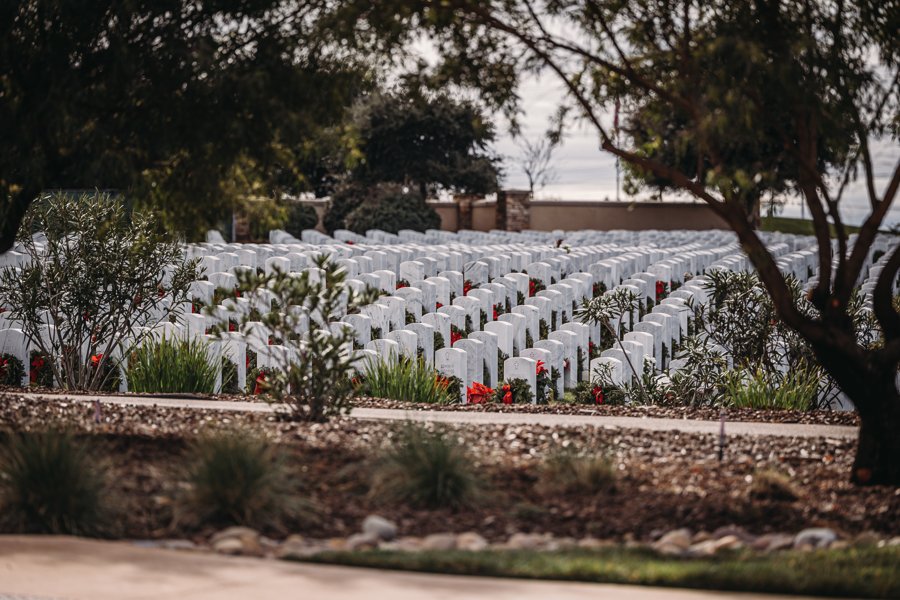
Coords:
pixel 456 334
pixel 37 366
pixel 507 394
pixel 597 392
pixel 540 368
pixel 260 386
pixel 479 393
pixel 535 285
pixel 661 290
pixel 402 284
pixel 467 287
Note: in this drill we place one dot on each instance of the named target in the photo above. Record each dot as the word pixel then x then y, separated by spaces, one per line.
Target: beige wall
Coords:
pixel 547 215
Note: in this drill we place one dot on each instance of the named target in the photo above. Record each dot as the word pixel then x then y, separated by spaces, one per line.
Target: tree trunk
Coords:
pixel 871 384
pixel 13 213
pixel 878 449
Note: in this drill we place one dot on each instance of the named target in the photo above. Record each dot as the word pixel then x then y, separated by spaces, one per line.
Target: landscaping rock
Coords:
pixel 894 541
pixel 296 546
pixel 237 540
pixel 362 541
pixel 773 542
pixel 729 542
pixel 817 537
pixel 674 543
pixel 439 541
pixel 379 527
pixel 732 530
pixel 471 541
pixel 590 543
pixel 867 538
pixel 527 541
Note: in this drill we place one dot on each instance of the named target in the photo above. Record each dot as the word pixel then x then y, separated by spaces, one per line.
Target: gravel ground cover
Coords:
pixel 665 480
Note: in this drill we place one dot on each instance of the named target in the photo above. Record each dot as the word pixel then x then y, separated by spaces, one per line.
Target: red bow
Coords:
pixel 598 394
pixel 260 382
pixel 540 367
pixel 507 396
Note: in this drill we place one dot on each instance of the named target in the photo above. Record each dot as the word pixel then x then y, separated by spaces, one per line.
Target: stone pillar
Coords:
pixel 513 210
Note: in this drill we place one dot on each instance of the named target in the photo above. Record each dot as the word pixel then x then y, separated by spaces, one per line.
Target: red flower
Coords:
pixel 478 393
pixel 260 383
pixel 598 394
pixel 540 368
pixel 467 287
pixel 455 336
pixel 531 288
pixel 442 381
pixel 95 360
pixel 507 394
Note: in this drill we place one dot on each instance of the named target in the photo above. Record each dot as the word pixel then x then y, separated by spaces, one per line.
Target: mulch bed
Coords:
pixel 666 479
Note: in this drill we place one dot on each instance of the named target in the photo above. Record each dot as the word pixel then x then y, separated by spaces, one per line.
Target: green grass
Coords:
pixel 425 469
pixel 866 572
pixel 171 366
pixel 51 483
pixel 407 380
pixel 797 226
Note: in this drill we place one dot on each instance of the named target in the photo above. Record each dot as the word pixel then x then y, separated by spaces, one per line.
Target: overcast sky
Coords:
pixel 583 172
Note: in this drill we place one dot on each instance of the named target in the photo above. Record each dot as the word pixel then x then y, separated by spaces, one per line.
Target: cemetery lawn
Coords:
pixel 797 226
pixel 864 572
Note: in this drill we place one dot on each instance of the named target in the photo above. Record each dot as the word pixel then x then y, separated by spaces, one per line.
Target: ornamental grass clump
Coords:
pixel 568 472
pixel 425 469
pixel 51 483
pixel 407 380
pixel 769 484
pixel 172 366
pixel 795 390
pixel 238 479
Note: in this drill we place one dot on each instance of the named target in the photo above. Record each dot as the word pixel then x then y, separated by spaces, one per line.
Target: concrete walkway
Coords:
pixel 492 418
pixel 62 568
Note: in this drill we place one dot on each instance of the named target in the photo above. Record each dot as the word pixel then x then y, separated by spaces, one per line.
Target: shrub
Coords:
pixel 344 201
pixel 796 390
pixel 129 276
pixel 50 483
pixel 567 472
pixel 389 208
pixel 300 217
pixel 237 479
pixel 772 485
pixel 312 378
pixel 173 366
pixel 408 380
pixel 11 370
pixel 428 469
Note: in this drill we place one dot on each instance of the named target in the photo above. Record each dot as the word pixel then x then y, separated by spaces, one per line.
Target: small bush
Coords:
pixel 12 371
pixel 344 201
pixel 389 208
pixel 300 217
pixel 570 473
pixel 407 380
pixel 173 366
pixel 50 483
pixel 797 390
pixel 237 479
pixel 772 485
pixel 425 469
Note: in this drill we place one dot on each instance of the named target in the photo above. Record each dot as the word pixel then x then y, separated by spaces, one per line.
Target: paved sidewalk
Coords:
pixel 492 418
pixel 63 568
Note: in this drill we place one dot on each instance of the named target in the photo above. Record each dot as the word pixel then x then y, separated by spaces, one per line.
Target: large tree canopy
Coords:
pixel 163 98
pixel 723 100
pixel 432 142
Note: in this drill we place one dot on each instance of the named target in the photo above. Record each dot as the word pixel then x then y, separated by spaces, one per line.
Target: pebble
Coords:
pixel 816 537
pixel 379 527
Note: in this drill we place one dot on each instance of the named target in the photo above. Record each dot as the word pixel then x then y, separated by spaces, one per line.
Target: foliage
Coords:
pixel 391 207
pixel 567 472
pixel 12 371
pixel 794 390
pixel 237 479
pixel 428 141
pixel 299 217
pixel 51 483
pixel 312 375
pixel 127 102
pixel 453 386
pixel 129 277
pixel 769 484
pixel 700 380
pixel 428 469
pixel 514 391
pixel 172 366
pixel 407 380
